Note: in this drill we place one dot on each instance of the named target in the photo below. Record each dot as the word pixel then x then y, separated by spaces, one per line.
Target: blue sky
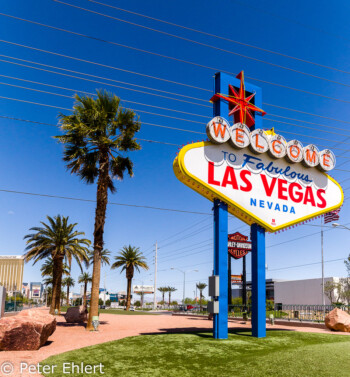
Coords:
pixel 31 158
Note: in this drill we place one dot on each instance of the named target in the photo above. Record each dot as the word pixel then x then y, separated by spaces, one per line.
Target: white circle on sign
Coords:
pixel 218 130
pixel 327 160
pixel 294 151
pixel 259 142
pixel 277 146
pixel 311 156
pixel 240 135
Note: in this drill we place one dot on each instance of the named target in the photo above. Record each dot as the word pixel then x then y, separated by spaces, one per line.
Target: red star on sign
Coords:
pixel 237 101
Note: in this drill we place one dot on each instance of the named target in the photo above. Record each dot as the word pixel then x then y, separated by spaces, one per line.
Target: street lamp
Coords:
pixel 184 272
pixel 336 225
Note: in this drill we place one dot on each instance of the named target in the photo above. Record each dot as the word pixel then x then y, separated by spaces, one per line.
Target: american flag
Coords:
pixel 331 216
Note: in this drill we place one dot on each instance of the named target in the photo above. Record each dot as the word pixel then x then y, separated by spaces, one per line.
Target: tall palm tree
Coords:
pixel 85 278
pixel 129 259
pixel 105 256
pixel 59 240
pixel 97 137
pixel 201 286
pixel 47 268
pixel 163 290
pixel 68 282
pixel 170 290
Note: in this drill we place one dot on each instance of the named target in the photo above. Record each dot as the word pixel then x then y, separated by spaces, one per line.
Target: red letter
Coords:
pixel 268 189
pixel 257 142
pixel 326 160
pixel 277 151
pixel 230 173
pixel 292 148
pixel 296 196
pixel 323 203
pixel 282 189
pixel 211 174
pixel 219 128
pixel 239 136
pixel 309 197
pixel 248 186
pixel 311 158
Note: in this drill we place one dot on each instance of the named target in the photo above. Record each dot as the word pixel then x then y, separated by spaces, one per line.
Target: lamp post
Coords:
pixel 184 286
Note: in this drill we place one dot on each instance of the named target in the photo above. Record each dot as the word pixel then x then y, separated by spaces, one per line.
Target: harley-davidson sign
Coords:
pixel 238 245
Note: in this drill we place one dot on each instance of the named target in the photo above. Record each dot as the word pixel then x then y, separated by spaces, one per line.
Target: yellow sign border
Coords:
pixel 184 176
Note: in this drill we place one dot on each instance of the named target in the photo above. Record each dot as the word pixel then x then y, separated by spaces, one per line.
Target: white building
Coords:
pixel 301 292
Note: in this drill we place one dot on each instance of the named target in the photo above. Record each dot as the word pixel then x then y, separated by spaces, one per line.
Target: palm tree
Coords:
pixel 130 258
pixel 105 253
pixel 97 136
pixel 201 286
pixel 85 278
pixel 170 290
pixel 47 268
pixel 163 290
pixel 60 241
pixel 68 282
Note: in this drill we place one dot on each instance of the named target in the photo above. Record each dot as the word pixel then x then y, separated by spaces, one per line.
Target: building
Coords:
pixel 302 292
pixel 293 292
pixel 36 291
pixel 11 273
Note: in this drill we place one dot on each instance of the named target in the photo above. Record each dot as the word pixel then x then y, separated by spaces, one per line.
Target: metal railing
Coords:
pixel 301 313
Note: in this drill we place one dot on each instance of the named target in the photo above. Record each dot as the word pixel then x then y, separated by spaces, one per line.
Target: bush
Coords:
pixel 108 303
pixel 137 303
pixel 100 301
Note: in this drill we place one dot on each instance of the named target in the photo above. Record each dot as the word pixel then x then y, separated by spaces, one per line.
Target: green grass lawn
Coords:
pixel 281 353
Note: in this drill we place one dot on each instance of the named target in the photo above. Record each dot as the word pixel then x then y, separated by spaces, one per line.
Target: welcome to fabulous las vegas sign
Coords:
pixel 263 178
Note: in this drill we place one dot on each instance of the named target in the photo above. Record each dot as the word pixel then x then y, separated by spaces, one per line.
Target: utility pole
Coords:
pixel 155 278
pixel 104 294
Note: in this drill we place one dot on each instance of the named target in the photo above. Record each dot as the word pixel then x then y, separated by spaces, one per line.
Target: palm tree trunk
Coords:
pixel 169 298
pixel 56 284
pixel 163 297
pixel 200 300
pixel 100 217
pixel 128 297
pixel 84 298
pixel 59 284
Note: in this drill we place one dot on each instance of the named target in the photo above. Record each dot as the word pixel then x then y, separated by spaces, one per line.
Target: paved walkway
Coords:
pixel 68 337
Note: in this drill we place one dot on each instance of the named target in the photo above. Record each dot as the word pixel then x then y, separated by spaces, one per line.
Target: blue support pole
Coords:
pixel 258 282
pixel 220 323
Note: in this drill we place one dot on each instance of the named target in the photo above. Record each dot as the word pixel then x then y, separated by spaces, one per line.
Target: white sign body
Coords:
pixel 143 289
pixel 257 187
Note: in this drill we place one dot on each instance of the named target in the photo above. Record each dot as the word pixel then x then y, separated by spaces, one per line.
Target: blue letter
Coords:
pixel 262 204
pixel 292 210
pixel 269 204
pixel 253 202
pixel 249 160
pixel 285 208
pixel 277 208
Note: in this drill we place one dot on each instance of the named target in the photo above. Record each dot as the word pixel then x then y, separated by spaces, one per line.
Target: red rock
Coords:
pixel 46 321
pixel 76 314
pixel 28 330
pixel 338 320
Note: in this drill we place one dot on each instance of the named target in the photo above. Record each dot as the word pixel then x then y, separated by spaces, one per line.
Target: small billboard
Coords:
pixel 143 289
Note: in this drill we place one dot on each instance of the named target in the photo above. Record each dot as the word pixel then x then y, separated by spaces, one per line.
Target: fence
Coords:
pixel 302 313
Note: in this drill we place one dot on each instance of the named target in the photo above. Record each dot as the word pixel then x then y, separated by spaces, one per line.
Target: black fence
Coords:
pixel 302 313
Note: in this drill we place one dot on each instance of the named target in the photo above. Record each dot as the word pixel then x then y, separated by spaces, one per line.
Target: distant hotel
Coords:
pixel 11 273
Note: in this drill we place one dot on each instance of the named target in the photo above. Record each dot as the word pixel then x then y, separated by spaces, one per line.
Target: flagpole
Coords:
pixel 323 298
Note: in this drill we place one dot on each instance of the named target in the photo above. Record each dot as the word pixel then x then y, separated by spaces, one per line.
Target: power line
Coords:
pixel 163 115
pixel 174 36
pixel 222 38
pixel 179 60
pixel 153 77
pixel 111 203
